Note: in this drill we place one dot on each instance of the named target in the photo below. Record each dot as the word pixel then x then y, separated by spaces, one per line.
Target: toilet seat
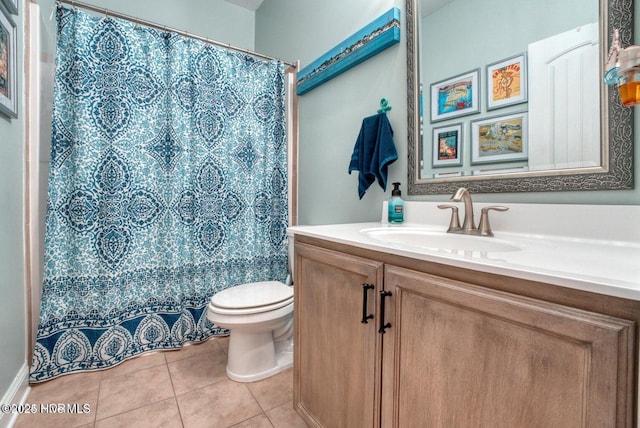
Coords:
pixel 252 298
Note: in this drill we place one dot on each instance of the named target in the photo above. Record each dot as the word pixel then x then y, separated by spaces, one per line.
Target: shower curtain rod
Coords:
pixel 107 12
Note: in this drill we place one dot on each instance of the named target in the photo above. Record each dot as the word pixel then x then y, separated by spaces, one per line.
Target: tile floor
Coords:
pixel 185 388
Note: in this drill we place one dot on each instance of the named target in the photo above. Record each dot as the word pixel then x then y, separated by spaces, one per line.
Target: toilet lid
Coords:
pixel 252 295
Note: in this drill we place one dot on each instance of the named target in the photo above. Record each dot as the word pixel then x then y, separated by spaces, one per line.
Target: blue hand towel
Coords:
pixel 373 153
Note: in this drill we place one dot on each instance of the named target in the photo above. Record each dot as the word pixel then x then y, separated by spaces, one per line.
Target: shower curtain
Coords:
pixel 167 184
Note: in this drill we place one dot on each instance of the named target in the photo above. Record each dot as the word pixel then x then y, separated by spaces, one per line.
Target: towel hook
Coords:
pixel 384 106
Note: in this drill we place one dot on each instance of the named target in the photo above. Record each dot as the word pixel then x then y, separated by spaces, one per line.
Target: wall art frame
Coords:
pixel 11 6
pixel 370 40
pixel 8 66
pixel 447 145
pixel 456 96
pixel 507 82
pixel 500 139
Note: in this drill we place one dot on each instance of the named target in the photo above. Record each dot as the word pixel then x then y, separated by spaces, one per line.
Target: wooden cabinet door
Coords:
pixel 336 356
pixel 467 356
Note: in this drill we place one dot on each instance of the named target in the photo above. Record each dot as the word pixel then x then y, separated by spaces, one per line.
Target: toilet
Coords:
pixel 259 316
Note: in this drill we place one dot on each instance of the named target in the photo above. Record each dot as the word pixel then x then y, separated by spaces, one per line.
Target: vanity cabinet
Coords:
pixel 336 355
pixel 460 355
pixel 456 353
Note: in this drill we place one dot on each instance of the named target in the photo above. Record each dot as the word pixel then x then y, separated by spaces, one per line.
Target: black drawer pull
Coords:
pixel 383 326
pixel 365 317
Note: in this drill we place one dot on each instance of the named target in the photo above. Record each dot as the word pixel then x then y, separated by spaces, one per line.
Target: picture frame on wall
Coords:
pixel 447 145
pixel 456 96
pixel 500 139
pixel 380 34
pixel 11 6
pixel 507 82
pixel 8 69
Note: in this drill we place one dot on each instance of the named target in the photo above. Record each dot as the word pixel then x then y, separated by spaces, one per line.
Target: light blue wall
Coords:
pixel 490 41
pixel 12 289
pixel 330 115
pixel 216 19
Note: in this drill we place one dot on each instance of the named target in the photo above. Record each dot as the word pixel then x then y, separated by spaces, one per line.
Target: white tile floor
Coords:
pixel 185 388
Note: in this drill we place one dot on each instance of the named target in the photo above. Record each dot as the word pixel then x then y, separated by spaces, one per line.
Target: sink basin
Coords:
pixel 436 240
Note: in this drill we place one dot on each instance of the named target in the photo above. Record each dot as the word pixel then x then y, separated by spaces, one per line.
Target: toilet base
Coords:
pixel 283 362
pixel 253 356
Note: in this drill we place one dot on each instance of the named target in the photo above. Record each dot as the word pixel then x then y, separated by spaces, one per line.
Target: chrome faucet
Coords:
pixel 468 225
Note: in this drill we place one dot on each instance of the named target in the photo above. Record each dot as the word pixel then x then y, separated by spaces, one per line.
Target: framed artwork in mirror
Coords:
pixel 8 71
pixel 447 145
pixel 11 5
pixel 499 139
pixel 616 170
pixel 456 96
pixel 507 82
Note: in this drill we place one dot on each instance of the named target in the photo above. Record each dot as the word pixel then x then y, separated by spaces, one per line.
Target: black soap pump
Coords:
pixel 396 205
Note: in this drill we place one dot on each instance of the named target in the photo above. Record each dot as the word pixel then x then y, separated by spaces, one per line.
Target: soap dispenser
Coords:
pixel 396 205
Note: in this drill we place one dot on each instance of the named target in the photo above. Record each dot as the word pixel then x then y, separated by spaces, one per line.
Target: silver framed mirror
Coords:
pixel 615 171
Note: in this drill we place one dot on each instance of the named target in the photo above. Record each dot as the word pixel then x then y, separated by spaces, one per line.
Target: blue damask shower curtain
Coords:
pixel 167 184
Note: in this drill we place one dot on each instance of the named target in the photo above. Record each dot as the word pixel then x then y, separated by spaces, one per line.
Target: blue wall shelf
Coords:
pixel 377 36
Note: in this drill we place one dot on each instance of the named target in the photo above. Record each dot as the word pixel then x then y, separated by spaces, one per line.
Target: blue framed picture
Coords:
pixel 447 145
pixel 507 82
pixel 456 96
pixel 500 139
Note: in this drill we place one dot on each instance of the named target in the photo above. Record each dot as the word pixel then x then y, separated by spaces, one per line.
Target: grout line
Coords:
pixel 144 405
pixel 173 388
pixel 242 422
pixel 95 412
pixel 264 413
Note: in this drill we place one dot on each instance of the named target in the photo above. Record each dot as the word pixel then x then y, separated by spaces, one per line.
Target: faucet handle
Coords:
pixel 454 224
pixel 485 228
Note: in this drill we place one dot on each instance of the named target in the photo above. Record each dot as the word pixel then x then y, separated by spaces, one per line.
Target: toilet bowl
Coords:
pixel 259 316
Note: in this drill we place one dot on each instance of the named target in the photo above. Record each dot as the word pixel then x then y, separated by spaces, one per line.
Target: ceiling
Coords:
pixel 247 4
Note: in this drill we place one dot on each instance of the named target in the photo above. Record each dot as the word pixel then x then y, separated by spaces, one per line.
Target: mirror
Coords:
pixel 609 165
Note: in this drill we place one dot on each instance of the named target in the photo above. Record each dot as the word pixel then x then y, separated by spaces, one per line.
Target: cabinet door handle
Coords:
pixel 383 326
pixel 365 317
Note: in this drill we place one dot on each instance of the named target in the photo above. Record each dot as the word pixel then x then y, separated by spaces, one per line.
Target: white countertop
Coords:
pixel 609 267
